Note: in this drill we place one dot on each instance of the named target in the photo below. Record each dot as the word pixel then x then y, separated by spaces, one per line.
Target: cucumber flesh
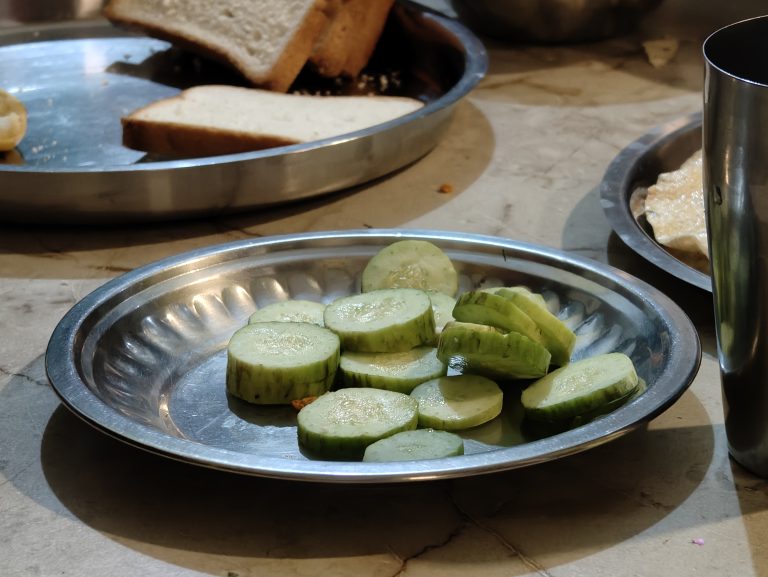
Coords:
pixel 293 311
pixel 399 372
pixel 458 402
pixel 277 362
pixel 580 387
pixel 484 350
pixel 341 424
pixel 558 339
pixel 382 321
pixel 415 445
pixel 486 308
pixel 411 264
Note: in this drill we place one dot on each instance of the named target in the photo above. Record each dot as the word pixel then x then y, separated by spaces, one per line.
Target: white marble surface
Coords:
pixel 525 154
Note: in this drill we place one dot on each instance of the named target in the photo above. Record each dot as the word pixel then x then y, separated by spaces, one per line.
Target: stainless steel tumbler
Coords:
pixel 735 146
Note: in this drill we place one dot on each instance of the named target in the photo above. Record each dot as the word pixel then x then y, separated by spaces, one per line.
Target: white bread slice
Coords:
pixel 268 41
pixel 214 119
pixel 348 43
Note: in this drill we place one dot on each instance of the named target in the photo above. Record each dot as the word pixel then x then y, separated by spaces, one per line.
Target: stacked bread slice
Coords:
pixel 268 41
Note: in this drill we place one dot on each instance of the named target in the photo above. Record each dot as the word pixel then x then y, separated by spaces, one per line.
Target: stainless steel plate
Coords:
pixel 143 357
pixel 624 186
pixel 78 78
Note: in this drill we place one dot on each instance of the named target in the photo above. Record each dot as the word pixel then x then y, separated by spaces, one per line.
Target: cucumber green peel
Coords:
pixel 556 337
pixel 486 308
pixel 484 350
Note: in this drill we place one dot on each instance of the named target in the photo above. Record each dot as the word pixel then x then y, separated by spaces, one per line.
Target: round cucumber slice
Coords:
pixel 382 321
pixel 487 308
pixel 341 424
pixel 415 445
pixel 399 372
pixel 484 350
pixel 411 264
pixel 458 402
pixel 291 311
pixel 556 337
pixel 276 362
pixel 580 388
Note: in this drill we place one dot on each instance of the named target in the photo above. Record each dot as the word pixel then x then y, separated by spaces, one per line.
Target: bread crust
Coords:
pixel 189 141
pixel 347 45
pixel 284 70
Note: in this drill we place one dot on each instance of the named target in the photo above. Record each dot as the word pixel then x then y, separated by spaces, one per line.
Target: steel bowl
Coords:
pixel 553 21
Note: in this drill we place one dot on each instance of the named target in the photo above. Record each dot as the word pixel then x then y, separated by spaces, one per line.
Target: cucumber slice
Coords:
pixel 536 297
pixel 382 321
pixel 580 387
pixel 411 264
pixel 458 402
pixel 341 424
pixel 556 337
pixel 276 362
pixel 399 372
pixel 484 350
pixel 415 445
pixel 292 311
pixel 486 308
pixel 442 308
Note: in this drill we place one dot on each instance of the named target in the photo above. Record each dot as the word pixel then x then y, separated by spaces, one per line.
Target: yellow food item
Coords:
pixel 674 207
pixel 13 121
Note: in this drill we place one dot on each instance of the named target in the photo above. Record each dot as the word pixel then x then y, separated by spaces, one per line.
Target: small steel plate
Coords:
pixel 78 78
pixel 626 181
pixel 143 357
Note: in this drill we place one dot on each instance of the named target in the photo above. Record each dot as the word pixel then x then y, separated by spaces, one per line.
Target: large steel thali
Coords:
pixel 77 78
pixel 143 357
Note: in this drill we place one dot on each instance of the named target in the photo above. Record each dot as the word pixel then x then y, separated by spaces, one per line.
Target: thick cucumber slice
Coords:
pixel 291 311
pixel 458 402
pixel 484 350
pixel 556 336
pixel 580 387
pixel 399 372
pixel 415 445
pixel 411 264
pixel 486 308
pixel 382 321
pixel 341 424
pixel 277 362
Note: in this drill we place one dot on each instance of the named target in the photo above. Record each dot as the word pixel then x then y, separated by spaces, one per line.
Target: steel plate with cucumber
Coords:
pixel 377 348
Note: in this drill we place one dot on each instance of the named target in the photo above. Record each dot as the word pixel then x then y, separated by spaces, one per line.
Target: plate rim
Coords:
pixel 616 189
pixel 61 370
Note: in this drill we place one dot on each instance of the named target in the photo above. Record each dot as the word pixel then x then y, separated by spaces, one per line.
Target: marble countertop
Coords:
pixel 524 153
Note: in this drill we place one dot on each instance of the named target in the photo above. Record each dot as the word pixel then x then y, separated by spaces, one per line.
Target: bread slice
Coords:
pixel 268 41
pixel 215 119
pixel 348 43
